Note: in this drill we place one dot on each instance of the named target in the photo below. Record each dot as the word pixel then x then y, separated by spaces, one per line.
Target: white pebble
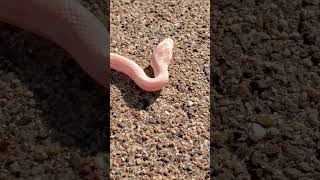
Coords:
pixel 190 103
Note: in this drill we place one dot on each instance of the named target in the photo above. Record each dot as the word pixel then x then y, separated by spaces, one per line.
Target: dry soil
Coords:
pixel 266 89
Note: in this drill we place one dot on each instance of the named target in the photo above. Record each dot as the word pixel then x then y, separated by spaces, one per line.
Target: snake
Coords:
pixel 77 30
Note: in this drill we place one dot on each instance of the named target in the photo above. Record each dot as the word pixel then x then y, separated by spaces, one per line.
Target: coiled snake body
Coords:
pixel 76 29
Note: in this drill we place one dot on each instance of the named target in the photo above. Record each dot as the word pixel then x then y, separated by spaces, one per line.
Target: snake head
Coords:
pixel 162 55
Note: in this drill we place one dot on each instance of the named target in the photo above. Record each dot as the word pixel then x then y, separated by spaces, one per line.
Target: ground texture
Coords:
pixel 166 134
pixel 266 90
pixel 51 112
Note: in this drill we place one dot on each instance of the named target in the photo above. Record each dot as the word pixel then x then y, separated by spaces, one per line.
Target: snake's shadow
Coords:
pixel 73 106
pixel 132 94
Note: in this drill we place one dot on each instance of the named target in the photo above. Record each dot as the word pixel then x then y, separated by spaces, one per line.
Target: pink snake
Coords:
pixel 76 29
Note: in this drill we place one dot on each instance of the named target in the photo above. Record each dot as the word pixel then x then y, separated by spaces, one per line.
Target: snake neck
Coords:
pixel 136 73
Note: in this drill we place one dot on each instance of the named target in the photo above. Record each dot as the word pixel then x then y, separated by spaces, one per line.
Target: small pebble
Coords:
pixel 190 103
pixel 139 161
pixel 313 115
pixel 257 132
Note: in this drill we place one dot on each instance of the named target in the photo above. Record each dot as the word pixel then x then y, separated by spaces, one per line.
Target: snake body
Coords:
pixel 79 32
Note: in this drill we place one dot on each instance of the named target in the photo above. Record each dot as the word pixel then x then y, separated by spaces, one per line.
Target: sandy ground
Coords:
pixel 51 112
pixel 266 90
pixel 166 134
pixel 265 96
